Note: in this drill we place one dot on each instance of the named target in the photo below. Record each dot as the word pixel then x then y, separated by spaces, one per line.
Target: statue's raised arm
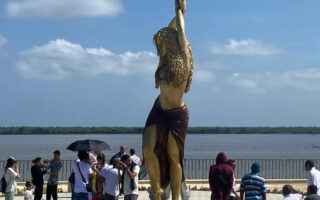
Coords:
pixel 178 23
pixel 179 5
pixel 180 9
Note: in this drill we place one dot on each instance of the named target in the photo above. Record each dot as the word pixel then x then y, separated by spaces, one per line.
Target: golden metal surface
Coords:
pixel 175 167
pixel 173 76
pixel 149 142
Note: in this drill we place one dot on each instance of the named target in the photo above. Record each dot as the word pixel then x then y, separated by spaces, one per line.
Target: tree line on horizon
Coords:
pixel 139 130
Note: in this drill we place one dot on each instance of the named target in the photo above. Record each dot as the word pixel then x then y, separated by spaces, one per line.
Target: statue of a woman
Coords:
pixel 166 126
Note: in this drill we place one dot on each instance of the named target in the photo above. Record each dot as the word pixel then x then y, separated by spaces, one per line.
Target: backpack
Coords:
pixel 72 178
pixel 3 185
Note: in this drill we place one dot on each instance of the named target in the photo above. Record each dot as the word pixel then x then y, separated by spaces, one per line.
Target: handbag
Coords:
pixel 88 185
pixel 3 187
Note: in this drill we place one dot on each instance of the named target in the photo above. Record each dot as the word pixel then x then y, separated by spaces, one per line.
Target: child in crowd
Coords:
pixel 29 191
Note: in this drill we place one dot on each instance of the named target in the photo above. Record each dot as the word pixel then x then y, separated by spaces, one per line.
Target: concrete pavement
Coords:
pixel 143 195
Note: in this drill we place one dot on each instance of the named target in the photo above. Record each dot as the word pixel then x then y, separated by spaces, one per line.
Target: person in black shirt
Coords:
pixel 37 172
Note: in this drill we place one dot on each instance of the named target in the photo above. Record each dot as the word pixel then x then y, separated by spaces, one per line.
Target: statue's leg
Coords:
pixel 149 142
pixel 175 167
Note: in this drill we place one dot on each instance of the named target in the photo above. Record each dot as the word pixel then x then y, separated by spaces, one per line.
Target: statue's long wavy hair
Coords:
pixel 172 63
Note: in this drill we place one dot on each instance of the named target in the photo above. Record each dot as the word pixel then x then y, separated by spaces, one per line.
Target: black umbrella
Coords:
pixel 88 145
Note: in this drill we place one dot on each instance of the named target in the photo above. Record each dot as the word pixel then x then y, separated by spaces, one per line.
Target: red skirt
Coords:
pixel 175 120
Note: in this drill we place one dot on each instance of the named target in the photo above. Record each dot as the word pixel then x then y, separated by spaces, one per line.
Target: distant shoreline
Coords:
pixel 25 130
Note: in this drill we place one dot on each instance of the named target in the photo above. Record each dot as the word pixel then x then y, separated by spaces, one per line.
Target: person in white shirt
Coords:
pixel 130 178
pixel 29 191
pixel 290 194
pixel 134 158
pixel 108 181
pixel 82 167
pixel 101 162
pixel 313 175
pixel 233 195
pixel 11 173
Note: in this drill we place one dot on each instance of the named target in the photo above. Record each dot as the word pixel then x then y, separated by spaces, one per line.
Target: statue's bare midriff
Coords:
pixel 171 96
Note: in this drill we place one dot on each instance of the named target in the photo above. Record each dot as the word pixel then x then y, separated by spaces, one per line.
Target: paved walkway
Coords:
pixel 195 195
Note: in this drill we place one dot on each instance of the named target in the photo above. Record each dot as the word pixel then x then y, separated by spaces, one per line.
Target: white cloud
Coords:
pixel 63 8
pixel 249 47
pixel 249 83
pixel 305 79
pixel 203 75
pixel 205 71
pixel 3 41
pixel 61 59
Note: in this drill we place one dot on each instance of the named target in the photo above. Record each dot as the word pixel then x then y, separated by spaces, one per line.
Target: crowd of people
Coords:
pixel 253 187
pixel 93 178
pixel 34 187
pixel 96 179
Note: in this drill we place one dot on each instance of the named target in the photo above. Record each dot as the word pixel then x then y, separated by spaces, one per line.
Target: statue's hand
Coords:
pixel 181 5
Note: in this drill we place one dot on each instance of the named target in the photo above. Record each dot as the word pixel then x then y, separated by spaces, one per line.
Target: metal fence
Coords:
pixel 199 168
pixel 271 168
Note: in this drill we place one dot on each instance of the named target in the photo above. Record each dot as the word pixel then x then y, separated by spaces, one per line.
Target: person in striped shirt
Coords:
pixel 253 187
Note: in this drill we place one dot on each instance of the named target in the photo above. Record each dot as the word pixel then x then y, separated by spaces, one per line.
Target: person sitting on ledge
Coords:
pixel 312 193
pixel 290 194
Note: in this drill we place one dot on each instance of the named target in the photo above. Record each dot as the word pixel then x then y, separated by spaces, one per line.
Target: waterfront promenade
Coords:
pixel 143 195
pixel 200 187
pixel 277 173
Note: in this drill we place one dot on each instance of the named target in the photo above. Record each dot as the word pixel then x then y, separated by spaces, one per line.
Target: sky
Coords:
pixel 92 63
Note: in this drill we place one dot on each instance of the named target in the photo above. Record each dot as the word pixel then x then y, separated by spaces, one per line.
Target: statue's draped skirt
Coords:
pixel 174 120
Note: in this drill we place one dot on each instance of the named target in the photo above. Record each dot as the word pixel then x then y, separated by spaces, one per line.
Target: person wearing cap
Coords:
pixel 11 173
pixel 108 181
pixel 252 185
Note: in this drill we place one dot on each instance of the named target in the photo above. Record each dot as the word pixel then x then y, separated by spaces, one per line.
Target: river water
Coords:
pixel 237 146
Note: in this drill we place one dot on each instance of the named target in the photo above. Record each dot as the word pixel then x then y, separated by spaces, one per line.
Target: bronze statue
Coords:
pixel 167 123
